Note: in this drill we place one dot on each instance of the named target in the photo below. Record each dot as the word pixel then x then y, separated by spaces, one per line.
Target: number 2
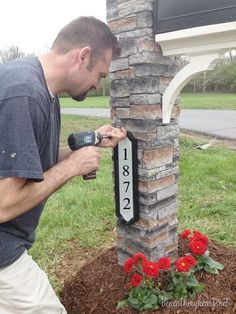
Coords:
pixel 128 202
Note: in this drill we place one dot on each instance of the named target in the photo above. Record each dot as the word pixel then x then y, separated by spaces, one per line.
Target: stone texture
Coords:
pixel 119 88
pixel 156 185
pixel 139 125
pixel 166 131
pixel 125 24
pixel 145 112
pixel 151 69
pixel 128 46
pixel 140 85
pixel 145 99
pixel 143 32
pixel 144 19
pixel 138 79
pixel 120 102
pixel 167 192
pixel 146 57
pixel 146 44
pixel 122 74
pixel 157 157
pixel 122 113
pixel 147 137
pixel 112 10
pixel 119 64
pixel 133 6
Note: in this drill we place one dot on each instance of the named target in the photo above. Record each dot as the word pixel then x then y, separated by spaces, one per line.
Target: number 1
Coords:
pixel 125 150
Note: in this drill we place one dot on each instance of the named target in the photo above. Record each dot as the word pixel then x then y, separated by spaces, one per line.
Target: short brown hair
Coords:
pixel 87 31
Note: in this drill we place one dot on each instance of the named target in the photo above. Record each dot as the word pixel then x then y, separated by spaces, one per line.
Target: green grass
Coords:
pixel 90 102
pixel 187 101
pixel 207 191
pixel 83 212
pixel 208 101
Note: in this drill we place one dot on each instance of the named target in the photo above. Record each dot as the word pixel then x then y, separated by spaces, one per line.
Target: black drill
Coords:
pixel 83 139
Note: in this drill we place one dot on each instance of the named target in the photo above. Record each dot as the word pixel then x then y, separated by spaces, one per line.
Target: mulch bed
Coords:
pixel 101 283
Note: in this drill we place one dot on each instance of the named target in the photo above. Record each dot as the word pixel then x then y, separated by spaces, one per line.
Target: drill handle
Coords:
pixel 83 139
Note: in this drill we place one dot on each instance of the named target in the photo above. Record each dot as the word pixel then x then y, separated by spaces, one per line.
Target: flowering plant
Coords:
pixel 147 289
pixel 145 292
pixel 197 243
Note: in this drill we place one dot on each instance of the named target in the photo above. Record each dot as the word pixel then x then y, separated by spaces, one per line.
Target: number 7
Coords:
pixel 128 183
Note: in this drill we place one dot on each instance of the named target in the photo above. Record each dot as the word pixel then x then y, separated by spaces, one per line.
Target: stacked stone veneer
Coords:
pixel 138 79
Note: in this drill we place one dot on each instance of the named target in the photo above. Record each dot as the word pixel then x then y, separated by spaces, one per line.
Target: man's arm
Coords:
pixel 113 136
pixel 19 195
pixel 64 153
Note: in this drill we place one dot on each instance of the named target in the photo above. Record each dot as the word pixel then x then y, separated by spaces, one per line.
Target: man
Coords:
pixel 31 165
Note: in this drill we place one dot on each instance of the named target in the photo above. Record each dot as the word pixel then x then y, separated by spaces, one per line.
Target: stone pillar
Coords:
pixel 138 79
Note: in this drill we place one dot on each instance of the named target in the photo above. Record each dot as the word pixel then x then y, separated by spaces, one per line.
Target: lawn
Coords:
pixel 208 101
pixel 187 101
pixel 82 212
pixel 90 102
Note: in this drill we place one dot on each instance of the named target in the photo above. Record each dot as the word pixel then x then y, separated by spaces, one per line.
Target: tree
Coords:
pixel 221 78
pixel 11 53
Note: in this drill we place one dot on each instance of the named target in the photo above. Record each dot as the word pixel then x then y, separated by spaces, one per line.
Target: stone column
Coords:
pixel 138 80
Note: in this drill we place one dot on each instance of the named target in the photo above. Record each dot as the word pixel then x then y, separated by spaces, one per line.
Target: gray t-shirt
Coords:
pixel 29 143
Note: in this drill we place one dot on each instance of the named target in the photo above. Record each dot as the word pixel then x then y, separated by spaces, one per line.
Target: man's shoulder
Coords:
pixel 22 77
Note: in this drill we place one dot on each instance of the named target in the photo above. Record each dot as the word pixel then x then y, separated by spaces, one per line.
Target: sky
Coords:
pixel 32 25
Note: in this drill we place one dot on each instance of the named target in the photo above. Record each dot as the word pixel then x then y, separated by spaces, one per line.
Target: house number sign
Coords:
pixel 126 180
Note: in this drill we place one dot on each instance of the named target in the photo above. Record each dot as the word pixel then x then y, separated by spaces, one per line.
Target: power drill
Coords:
pixel 83 139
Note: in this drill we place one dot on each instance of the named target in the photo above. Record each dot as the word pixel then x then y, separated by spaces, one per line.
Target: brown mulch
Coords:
pixel 99 284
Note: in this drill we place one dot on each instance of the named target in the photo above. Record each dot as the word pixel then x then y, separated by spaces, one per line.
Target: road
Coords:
pixel 218 123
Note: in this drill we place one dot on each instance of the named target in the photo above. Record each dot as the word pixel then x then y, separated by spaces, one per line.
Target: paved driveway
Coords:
pixel 218 123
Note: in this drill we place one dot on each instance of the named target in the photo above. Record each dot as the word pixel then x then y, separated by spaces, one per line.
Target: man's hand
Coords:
pixel 112 135
pixel 84 160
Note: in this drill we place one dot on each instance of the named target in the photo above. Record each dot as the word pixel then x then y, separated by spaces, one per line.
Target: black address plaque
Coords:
pixel 126 180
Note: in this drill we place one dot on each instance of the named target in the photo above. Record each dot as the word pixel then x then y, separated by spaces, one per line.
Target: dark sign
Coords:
pixel 172 15
pixel 126 180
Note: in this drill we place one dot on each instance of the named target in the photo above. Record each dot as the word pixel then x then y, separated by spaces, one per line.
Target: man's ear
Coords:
pixel 84 56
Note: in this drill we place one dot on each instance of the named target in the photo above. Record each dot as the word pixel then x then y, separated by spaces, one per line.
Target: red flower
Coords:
pixel 136 280
pixel 128 265
pixel 150 269
pixel 185 234
pixel 139 257
pixel 164 263
pixel 197 235
pixel 197 247
pixel 183 264
pixel 190 260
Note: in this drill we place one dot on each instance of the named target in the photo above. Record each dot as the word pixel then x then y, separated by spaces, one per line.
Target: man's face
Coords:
pixel 90 78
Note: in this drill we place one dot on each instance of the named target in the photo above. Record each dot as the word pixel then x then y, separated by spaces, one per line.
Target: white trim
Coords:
pixel 203 45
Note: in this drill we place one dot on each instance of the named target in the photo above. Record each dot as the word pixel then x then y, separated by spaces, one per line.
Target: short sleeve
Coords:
pixel 21 126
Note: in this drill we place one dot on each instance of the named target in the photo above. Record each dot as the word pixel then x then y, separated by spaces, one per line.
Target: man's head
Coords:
pixel 94 45
pixel 87 31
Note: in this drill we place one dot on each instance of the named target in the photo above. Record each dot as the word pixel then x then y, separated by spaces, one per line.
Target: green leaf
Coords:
pixel 137 307
pixel 214 264
pixel 199 288
pixel 199 266
pixel 133 300
pixel 192 281
pixel 210 270
pixel 175 280
pixel 206 253
pixel 148 306
pixel 122 304
pixel 192 295
pixel 170 286
pixel 153 299
pixel 165 296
